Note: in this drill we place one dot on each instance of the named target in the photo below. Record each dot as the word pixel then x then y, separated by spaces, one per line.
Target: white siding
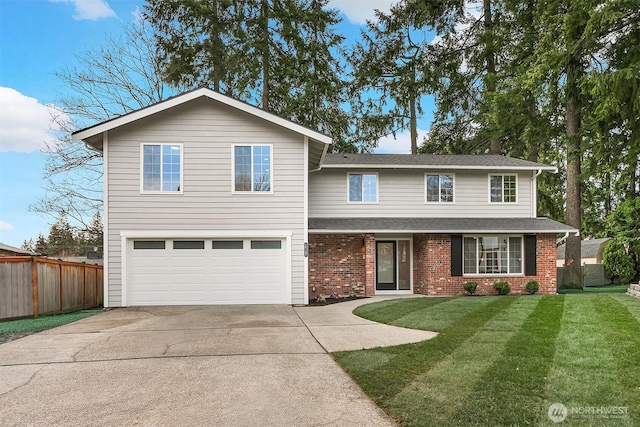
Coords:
pixel 401 194
pixel 207 130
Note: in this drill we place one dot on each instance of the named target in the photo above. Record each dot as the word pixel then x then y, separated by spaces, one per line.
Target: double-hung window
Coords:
pixel 252 168
pixel 161 168
pixel 492 255
pixel 439 188
pixel 502 188
pixel 363 187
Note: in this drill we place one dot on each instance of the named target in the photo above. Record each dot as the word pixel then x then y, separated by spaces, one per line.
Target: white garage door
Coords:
pixel 207 271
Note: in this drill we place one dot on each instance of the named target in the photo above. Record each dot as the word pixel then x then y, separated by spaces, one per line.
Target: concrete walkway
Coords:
pixel 337 329
pixel 195 365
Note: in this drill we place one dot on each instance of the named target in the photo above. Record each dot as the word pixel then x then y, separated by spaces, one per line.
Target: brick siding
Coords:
pixel 346 262
pixel 336 264
pixel 432 268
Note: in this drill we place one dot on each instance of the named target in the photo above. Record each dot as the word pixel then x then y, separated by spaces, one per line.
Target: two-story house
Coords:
pixel 209 200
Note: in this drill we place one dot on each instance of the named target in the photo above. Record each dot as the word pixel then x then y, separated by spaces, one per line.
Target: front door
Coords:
pixel 393 265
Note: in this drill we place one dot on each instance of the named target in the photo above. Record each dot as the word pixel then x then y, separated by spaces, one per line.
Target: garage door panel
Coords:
pixel 187 262
pixel 217 272
pixel 152 297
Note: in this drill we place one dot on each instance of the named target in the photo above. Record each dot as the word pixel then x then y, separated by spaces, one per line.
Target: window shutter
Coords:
pixel 456 255
pixel 530 267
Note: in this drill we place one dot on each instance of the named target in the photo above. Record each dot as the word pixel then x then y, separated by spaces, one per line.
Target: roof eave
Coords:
pixel 441 167
pixel 444 231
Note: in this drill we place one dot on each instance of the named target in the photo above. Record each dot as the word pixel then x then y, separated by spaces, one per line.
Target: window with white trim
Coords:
pixel 252 168
pixel 363 187
pixel 161 168
pixel 502 188
pixel 492 255
pixel 439 188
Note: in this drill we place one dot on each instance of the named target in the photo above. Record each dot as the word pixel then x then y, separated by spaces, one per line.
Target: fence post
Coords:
pixel 34 286
pixel 61 297
pixel 84 285
pixel 95 271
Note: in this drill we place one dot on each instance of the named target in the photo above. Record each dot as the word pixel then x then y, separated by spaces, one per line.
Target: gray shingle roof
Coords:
pixel 589 248
pixel 425 160
pixel 438 225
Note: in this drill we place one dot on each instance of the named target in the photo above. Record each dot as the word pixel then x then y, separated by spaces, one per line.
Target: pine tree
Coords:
pixel 28 245
pixel 391 74
pixel 61 240
pixel 283 55
pixel 41 245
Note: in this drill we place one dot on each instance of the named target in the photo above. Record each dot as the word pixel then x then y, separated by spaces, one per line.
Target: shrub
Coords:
pixel 532 287
pixel 502 287
pixel 470 287
pixel 617 262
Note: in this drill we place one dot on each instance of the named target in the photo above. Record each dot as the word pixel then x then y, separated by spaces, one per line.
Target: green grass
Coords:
pixel 609 289
pixel 505 360
pixel 14 329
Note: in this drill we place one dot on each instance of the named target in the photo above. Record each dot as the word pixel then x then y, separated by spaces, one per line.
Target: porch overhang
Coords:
pixel 439 225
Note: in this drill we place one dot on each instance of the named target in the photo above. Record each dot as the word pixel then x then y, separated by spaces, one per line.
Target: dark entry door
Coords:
pixel 386 266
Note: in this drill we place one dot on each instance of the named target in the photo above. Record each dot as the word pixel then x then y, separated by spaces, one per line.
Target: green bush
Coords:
pixel 502 287
pixel 532 287
pixel 618 264
pixel 470 287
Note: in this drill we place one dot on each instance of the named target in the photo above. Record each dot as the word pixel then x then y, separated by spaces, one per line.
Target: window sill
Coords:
pixel 263 193
pixel 163 193
pixel 483 276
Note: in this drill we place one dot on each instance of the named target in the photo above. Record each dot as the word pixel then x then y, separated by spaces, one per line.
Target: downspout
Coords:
pixel 534 194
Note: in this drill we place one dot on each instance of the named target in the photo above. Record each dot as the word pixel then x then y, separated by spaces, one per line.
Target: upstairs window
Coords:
pixel 439 188
pixel 252 168
pixel 363 187
pixel 502 188
pixel 162 168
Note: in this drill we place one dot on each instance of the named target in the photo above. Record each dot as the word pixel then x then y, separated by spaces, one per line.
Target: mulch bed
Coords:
pixel 328 301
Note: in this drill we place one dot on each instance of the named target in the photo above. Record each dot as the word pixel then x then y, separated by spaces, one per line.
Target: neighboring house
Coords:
pixel 6 250
pixel 591 251
pixel 82 259
pixel 209 200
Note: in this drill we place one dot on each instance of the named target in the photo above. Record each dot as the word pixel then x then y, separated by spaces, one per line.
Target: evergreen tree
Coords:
pixel 41 245
pixel 28 245
pixel 61 240
pixel 283 55
pixel 92 237
pixel 391 75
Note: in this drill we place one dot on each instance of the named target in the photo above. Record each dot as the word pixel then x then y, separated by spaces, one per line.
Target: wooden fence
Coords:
pixel 31 285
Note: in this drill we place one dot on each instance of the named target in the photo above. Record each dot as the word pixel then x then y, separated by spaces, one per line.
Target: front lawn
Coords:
pixel 506 360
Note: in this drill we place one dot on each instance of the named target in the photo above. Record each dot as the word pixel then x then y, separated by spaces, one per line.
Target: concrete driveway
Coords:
pixel 195 365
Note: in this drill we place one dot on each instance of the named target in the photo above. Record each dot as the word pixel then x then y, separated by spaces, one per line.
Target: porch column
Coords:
pixel 369 264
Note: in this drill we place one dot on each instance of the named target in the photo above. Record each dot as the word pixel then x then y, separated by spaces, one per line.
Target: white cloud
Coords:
pixel 401 144
pixel 5 226
pixel 91 10
pixel 358 11
pixel 25 124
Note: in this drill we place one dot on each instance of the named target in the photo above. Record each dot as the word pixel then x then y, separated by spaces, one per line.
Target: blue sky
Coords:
pixel 37 39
